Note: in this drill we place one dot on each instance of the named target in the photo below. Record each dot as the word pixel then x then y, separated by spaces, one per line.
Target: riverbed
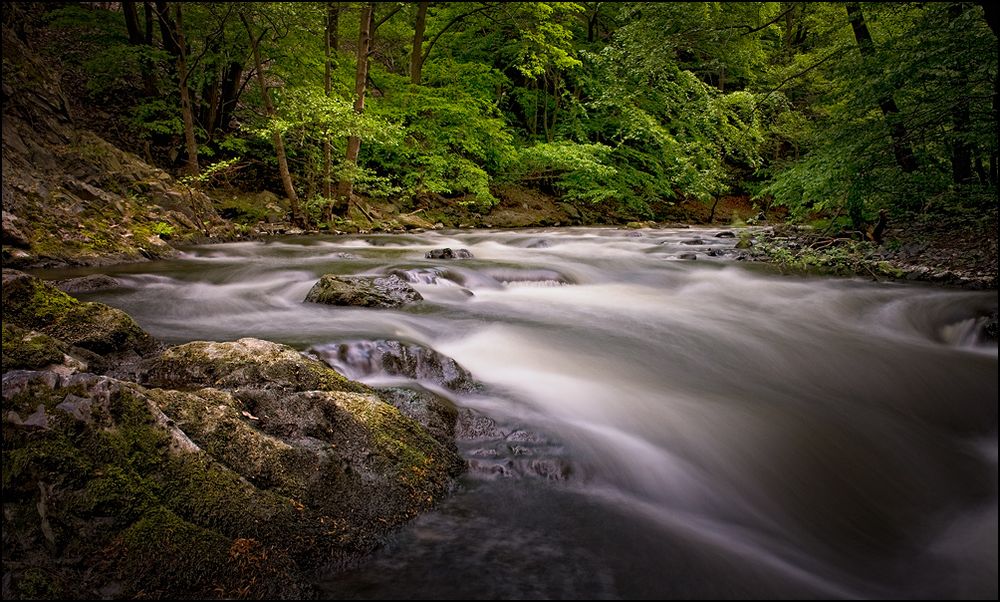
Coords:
pixel 675 423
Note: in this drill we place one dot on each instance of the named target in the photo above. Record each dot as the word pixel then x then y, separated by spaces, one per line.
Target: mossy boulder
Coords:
pixel 29 350
pixel 248 469
pixel 33 304
pixel 95 475
pixel 291 423
pixel 207 492
pixel 363 291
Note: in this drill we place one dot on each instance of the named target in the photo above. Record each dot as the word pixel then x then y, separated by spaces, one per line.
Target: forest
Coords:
pixel 842 108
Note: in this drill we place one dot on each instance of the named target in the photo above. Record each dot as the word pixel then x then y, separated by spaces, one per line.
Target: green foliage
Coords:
pixel 453 136
pixel 635 105
pixel 163 229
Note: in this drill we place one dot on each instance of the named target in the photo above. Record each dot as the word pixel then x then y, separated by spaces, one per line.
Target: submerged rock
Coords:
pixel 362 291
pixel 448 253
pixel 86 284
pixel 395 358
pixel 726 234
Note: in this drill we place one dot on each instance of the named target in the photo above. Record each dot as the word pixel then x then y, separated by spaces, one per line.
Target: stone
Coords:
pixel 86 284
pixel 363 291
pixel 448 253
pixel 35 305
pixel 726 234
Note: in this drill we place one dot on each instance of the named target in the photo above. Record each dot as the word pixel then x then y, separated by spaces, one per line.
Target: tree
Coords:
pixel 187 112
pixel 905 158
pixel 346 189
pixel 417 52
pixel 279 145
pixel 331 43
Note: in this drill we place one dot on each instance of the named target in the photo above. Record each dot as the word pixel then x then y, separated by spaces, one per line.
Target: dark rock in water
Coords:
pixel 448 253
pixel 86 284
pixel 539 244
pixel 506 451
pixel 990 326
pixel 357 359
pixel 362 291
pixel 726 234
pixel 693 241
pixel 687 256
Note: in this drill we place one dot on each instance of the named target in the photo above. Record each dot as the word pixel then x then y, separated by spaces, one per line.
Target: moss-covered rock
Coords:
pixel 246 363
pixel 33 304
pixel 362 291
pixel 29 350
pixel 253 467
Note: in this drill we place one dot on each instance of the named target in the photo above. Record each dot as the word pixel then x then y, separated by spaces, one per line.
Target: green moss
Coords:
pixel 164 555
pixel 37 584
pixel 29 350
pixel 31 303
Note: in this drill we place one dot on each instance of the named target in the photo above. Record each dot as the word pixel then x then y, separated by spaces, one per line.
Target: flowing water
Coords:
pixel 669 427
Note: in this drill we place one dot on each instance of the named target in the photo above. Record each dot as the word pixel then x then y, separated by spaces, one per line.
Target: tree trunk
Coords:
pixel 167 29
pixel 346 191
pixel 147 9
pixel 330 43
pixel 279 145
pixel 232 79
pixel 417 54
pixel 901 148
pixel 137 38
pixel 187 113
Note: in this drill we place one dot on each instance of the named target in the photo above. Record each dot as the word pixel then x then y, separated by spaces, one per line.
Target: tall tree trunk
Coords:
pixel 187 113
pixel 417 54
pixel 232 80
pixel 147 9
pixel 279 145
pixel 208 108
pixel 137 38
pixel 167 29
pixel 346 190
pixel 901 148
pixel 330 43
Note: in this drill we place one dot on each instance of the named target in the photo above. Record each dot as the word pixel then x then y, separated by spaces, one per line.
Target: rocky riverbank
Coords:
pixel 956 253
pixel 207 470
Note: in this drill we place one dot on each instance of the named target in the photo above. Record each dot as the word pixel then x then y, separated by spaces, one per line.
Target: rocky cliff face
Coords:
pixel 69 196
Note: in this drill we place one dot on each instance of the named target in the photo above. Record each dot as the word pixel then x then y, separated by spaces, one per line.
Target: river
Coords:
pixel 672 428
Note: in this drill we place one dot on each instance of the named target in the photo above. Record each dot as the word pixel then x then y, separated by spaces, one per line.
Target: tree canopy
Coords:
pixel 844 107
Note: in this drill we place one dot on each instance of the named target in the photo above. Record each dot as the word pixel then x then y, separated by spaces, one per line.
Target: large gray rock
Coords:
pixel 363 291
